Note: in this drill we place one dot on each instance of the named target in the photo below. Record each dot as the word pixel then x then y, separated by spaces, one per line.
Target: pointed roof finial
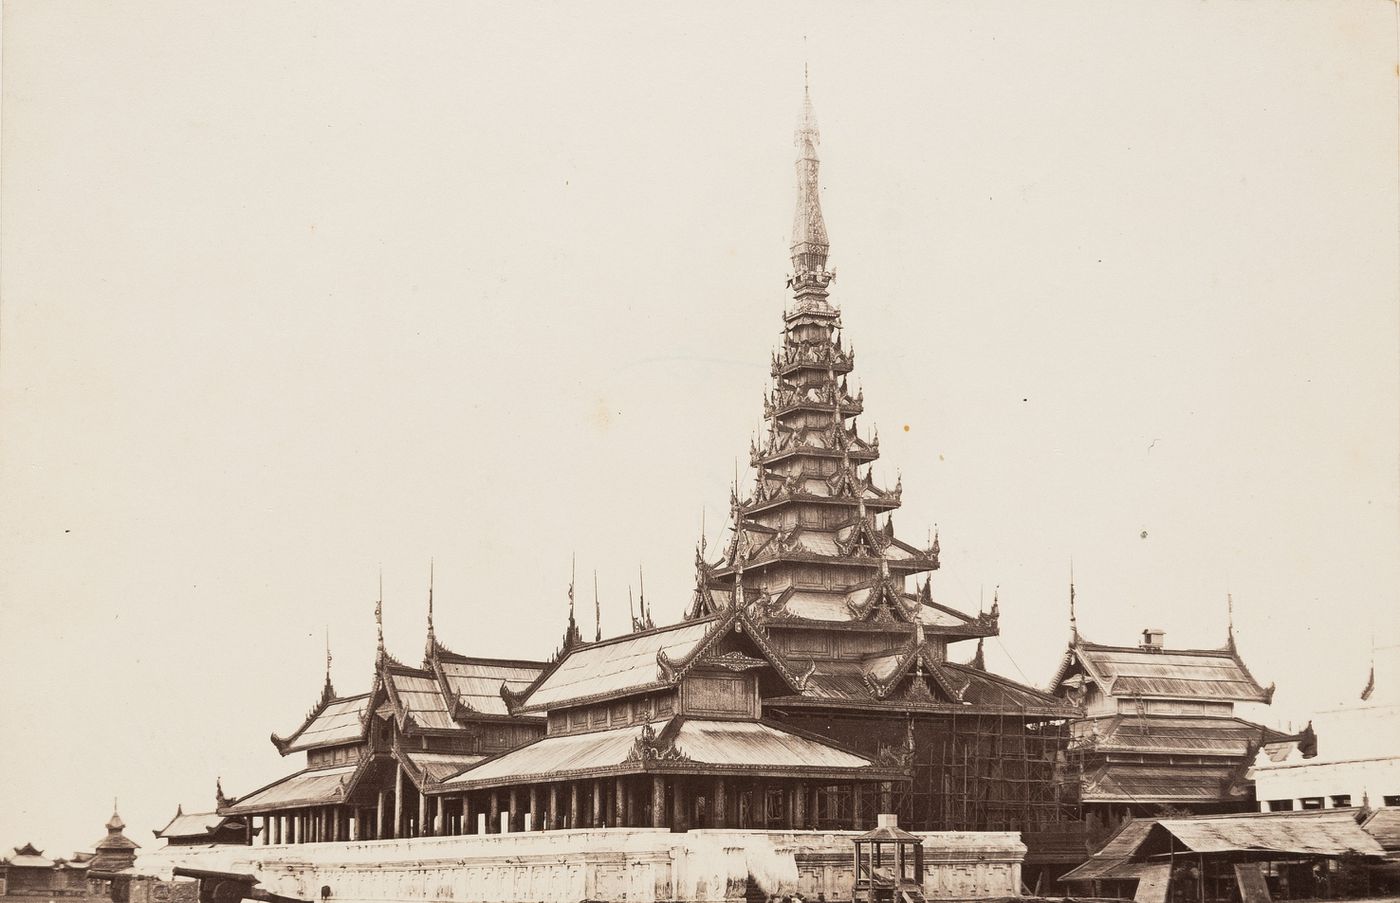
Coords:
pixel 1230 619
pixel 379 619
pixel 431 641
pixel 642 598
pixel 809 241
pixel 597 610
pixel 1073 623
pixel 328 659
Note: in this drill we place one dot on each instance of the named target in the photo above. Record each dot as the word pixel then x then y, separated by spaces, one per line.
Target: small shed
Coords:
pixel 889 865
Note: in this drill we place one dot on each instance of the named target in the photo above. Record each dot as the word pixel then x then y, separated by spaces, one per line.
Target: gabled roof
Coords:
pixel 652 660
pixel 335 720
pixel 474 685
pixel 416 698
pixel 1131 671
pixel 1384 826
pixel 1112 862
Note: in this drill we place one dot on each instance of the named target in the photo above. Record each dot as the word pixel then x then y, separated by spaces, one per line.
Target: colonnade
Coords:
pixel 677 802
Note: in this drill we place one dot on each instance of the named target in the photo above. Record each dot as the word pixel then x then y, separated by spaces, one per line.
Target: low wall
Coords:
pixel 616 865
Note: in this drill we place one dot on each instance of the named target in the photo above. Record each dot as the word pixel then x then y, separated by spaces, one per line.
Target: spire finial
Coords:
pixel 597 610
pixel 809 242
pixel 1073 624
pixel 379 618
pixel 1230 618
pixel 328 656
pixel 430 599
pixel 631 609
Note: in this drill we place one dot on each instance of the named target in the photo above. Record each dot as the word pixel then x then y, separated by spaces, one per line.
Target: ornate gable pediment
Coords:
pixel 712 650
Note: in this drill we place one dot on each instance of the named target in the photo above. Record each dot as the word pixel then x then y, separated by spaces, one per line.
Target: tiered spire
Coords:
pixel 815 514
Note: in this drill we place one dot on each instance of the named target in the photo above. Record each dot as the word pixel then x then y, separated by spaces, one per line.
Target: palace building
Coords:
pixel 811 683
pixel 1159 734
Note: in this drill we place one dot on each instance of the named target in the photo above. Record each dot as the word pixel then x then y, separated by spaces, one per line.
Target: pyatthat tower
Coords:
pixel 813 554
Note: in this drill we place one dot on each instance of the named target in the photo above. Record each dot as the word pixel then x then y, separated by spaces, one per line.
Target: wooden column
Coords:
pixel 629 789
pixel 467 824
pixel 514 823
pixel 619 804
pixel 380 815
pixel 721 804
pixel 553 807
pixel 597 820
pixel 276 829
pixel 573 804
pixel 658 801
pixel 885 793
pixel 799 806
pixel 678 813
pixel 857 817
pixel 422 815
pixel 536 823
pixel 813 806
pixel 398 799
pixel 493 825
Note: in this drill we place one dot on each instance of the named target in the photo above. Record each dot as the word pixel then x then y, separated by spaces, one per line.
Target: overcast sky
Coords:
pixel 293 292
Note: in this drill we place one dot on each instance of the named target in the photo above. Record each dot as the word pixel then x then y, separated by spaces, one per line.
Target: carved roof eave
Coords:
pixel 906 566
pixel 736 619
pixel 886 598
pixel 932 668
pixel 283 744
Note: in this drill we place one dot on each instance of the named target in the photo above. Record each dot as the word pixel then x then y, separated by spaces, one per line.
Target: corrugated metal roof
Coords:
pixel 1191 674
pixel 1384 826
pixel 478 684
pixel 305 788
pixel 1325 833
pixel 341 721
pixel 616 666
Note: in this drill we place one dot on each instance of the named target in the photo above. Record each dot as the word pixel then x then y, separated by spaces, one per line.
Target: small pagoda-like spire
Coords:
pixel 115 823
pixel 1073 623
pixel 379 621
pixel 432 638
pixel 979 661
pixel 328 690
pixel 1229 621
pixel 572 636
pixel 597 611
pixel 809 241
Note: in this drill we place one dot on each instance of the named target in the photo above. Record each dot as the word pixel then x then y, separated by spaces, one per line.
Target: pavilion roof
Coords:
pixel 334 721
pixel 615 667
pixel 308 787
pixel 678 744
pixel 1132 671
pixel 192 824
pixel 28 856
pixel 1188 735
pixel 474 685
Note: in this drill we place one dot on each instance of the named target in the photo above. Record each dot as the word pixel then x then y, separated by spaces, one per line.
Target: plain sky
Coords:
pixel 296 291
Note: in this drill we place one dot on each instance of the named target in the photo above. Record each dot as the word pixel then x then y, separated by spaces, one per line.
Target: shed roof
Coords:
pixel 1111 862
pixel 1324 832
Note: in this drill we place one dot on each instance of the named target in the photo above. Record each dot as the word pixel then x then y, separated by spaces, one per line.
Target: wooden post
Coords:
pixel 553 823
pixel 514 809
pixel 493 821
pixel 597 820
pixel 619 804
pixel 720 818
pixel 467 824
pixel 856 818
pixel 398 799
pixel 536 822
pixel 658 801
pixel 799 807
pixel 679 822
pixel 573 804
pixel 629 789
